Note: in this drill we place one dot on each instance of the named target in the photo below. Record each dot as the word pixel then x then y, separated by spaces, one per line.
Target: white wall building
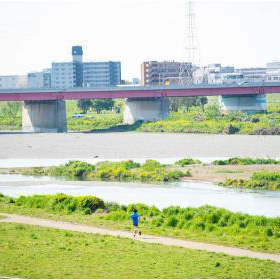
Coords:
pixel 253 75
pixel 13 81
pixel 39 79
pixel 63 75
pixel 101 73
pixel 216 73
pixel 273 71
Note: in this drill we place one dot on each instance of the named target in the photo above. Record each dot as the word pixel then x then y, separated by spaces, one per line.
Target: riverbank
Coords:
pixel 132 145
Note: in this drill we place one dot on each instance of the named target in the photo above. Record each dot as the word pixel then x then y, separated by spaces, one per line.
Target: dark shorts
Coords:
pixel 135 225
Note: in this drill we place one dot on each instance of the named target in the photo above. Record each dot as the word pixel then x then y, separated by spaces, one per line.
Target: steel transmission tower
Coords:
pixel 191 53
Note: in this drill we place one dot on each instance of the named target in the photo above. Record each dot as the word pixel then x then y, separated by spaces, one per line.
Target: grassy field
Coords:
pixel 210 121
pixel 207 224
pixel 33 252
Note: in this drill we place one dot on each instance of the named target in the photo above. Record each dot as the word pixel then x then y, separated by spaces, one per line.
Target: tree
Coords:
pixel 102 104
pixel 184 103
pixel 203 100
pixel 84 105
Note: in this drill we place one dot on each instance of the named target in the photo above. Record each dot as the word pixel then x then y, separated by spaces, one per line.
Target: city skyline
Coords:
pixel 240 34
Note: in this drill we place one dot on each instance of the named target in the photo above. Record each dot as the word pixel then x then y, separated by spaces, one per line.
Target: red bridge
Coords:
pixel 136 92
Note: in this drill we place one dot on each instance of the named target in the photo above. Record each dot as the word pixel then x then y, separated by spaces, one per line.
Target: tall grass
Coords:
pixel 150 171
pixel 204 223
pixel 262 180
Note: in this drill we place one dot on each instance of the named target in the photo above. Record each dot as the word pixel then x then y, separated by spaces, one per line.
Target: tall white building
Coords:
pixel 63 75
pixel 88 74
pixel 101 73
pixel 13 81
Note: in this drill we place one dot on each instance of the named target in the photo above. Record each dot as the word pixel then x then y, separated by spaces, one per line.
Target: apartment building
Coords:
pixel 161 73
pixel 13 81
pixel 101 73
pixel 39 79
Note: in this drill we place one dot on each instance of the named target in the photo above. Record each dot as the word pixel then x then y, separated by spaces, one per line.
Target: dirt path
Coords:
pixel 11 218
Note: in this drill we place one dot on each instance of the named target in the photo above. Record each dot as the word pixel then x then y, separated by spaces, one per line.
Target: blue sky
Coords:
pixel 35 33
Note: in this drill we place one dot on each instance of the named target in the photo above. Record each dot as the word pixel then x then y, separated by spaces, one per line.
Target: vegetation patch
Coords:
pixel 34 252
pixel 187 161
pixel 150 171
pixel 226 171
pixel 245 161
pixel 262 180
pixel 206 223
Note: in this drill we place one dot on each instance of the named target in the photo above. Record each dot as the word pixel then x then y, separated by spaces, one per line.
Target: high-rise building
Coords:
pixel 161 73
pixel 63 75
pixel 77 54
pixel 85 74
pixel 101 73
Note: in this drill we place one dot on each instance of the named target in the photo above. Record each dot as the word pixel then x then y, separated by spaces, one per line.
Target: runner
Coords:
pixel 135 220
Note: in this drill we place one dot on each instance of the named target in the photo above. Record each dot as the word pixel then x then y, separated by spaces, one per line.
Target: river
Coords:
pixel 184 194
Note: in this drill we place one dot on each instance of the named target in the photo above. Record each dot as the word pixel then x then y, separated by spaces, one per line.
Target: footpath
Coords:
pixel 12 218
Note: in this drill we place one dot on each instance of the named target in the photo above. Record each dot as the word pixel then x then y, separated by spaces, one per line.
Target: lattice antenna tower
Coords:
pixel 191 52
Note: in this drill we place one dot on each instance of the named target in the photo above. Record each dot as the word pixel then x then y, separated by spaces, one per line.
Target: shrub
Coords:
pixel 187 161
pixel 231 129
pixel 269 232
pixel 171 221
pixel 151 165
pixel 90 202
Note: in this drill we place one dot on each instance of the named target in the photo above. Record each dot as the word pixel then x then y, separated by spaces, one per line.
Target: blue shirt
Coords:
pixel 135 218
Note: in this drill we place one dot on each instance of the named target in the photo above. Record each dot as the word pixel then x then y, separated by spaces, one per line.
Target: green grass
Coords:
pixel 273 102
pixel 225 171
pixel 245 161
pixel 34 252
pixel 207 224
pixel 210 121
pixel 261 180
pixel 150 171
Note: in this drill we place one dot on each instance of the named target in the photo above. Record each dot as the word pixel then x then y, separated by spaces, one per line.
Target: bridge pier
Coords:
pixel 145 109
pixel 44 116
pixel 250 103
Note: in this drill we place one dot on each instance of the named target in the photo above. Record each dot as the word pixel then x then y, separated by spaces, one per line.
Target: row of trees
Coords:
pixel 99 105
pixel 185 103
pixel 176 104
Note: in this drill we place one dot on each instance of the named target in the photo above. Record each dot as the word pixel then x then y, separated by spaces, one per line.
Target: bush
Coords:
pixel 231 129
pixel 187 161
pixel 90 202
pixel 259 180
pixel 151 165
pixel 62 203
pixel 245 161
pixel 171 221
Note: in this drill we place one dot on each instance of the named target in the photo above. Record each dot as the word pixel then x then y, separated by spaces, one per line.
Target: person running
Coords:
pixel 135 220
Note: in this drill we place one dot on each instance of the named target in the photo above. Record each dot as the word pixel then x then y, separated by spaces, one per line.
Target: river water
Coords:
pixel 184 194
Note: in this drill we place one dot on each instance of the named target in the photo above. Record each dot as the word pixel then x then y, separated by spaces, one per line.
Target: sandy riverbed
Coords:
pixel 135 145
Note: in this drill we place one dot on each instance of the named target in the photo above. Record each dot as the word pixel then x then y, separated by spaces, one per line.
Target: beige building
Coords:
pixel 161 73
